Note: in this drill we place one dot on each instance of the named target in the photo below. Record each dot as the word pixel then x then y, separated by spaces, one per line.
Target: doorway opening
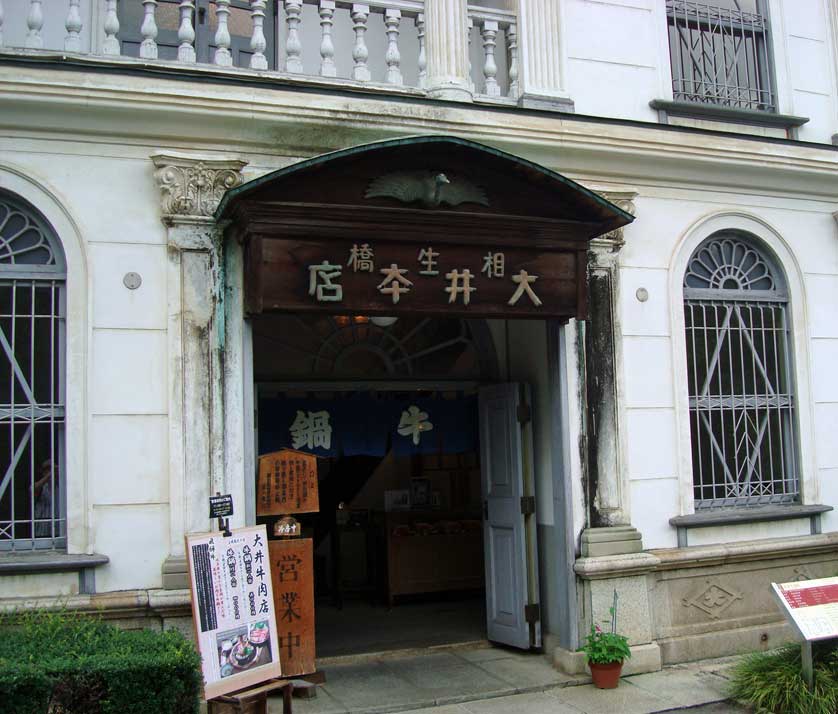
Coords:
pixel 389 407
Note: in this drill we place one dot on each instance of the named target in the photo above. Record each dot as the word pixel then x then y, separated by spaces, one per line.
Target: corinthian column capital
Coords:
pixel 192 187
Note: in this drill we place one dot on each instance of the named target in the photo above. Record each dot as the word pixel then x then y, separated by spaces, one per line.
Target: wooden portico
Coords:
pixel 428 224
pixel 445 227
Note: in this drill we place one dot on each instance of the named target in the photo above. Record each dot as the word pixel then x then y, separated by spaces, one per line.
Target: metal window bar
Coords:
pixel 32 413
pixel 720 55
pixel 741 404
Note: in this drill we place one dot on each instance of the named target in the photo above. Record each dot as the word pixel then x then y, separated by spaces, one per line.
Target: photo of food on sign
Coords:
pixel 243 648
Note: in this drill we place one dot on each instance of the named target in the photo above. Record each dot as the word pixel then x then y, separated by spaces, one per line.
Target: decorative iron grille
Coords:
pixel 740 385
pixel 32 322
pixel 720 53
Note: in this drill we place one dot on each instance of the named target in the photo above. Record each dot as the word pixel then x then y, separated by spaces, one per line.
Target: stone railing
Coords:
pixel 496 74
pixel 364 42
pixel 377 42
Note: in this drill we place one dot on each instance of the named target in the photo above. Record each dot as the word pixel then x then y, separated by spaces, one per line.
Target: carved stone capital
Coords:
pixel 192 187
pixel 612 241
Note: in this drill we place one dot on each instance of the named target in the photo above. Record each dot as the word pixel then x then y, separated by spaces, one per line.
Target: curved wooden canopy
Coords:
pixel 515 186
pixel 458 198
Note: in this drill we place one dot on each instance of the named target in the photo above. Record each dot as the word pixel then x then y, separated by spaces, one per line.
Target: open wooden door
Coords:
pixel 509 529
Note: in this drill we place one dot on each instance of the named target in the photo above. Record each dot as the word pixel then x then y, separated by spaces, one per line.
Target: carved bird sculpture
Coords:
pixel 431 188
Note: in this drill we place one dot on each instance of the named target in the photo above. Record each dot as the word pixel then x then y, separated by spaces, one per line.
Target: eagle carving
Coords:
pixel 431 188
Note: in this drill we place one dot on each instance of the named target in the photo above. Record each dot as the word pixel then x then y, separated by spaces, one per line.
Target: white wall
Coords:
pixel 658 454
pixel 615 57
pixel 89 142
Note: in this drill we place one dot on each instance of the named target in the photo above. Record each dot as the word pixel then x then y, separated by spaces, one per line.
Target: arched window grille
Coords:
pixel 32 336
pixel 740 380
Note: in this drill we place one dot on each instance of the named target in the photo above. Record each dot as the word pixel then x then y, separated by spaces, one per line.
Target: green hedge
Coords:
pixel 68 664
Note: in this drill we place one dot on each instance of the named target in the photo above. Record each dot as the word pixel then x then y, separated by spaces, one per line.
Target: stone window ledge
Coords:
pixel 756 514
pixel 33 562
pixel 714 112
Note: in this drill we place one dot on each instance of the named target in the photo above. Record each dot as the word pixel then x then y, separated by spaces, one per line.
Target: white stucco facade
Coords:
pixel 77 135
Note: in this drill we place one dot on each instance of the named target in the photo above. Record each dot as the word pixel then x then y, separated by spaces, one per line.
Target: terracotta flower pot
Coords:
pixel 606 676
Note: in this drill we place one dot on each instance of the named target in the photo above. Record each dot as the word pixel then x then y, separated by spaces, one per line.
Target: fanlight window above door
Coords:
pixel 328 347
pixel 32 333
pixel 741 392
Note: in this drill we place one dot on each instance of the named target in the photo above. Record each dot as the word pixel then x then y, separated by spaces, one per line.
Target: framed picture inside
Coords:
pixel 420 492
pixel 397 500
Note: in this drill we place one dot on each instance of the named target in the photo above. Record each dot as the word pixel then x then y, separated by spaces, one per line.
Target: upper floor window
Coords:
pixel 32 332
pixel 720 53
pixel 739 372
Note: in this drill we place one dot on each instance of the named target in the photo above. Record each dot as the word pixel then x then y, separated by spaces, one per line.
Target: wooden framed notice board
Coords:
pixel 233 609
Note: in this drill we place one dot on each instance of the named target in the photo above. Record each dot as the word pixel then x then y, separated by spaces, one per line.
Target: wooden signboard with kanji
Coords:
pixel 292 577
pixel 287 484
pixel 387 278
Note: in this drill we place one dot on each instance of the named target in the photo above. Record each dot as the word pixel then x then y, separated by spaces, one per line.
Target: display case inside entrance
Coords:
pixel 426 554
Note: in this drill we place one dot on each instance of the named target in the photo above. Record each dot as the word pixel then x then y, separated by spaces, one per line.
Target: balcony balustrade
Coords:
pixel 379 43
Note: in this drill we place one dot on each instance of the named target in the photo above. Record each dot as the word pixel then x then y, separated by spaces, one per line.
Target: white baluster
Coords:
pixel 186 33
pixel 327 47
pixel 470 26
pixel 423 57
pixel 72 42
pixel 148 47
pixel 512 39
pixel 490 69
pixel 34 23
pixel 258 43
pixel 111 44
pixel 392 57
pixel 293 46
pixel 360 53
pixel 222 57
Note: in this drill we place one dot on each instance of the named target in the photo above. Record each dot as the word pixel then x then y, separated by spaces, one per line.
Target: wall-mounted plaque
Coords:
pixel 220 506
pixel 293 584
pixel 233 609
pixel 287 483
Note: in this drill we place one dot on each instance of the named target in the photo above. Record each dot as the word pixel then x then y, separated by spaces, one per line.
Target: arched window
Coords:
pixel 32 330
pixel 739 367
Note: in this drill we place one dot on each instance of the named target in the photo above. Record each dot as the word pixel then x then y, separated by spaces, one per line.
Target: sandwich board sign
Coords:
pixel 811 606
pixel 233 609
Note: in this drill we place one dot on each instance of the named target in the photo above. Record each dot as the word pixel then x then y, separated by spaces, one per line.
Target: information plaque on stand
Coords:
pixel 233 609
pixel 811 606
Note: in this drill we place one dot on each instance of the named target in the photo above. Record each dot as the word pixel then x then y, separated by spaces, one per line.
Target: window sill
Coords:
pixel 54 562
pixel 739 516
pixel 714 112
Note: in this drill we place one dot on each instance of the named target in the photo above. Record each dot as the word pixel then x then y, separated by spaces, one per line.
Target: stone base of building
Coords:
pixel 698 602
pixel 175 573
pixel 644 658
pixel 129 609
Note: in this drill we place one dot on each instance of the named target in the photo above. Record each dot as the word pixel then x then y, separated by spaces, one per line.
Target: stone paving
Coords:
pixel 492 680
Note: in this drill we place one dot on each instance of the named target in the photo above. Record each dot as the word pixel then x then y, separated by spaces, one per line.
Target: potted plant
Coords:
pixel 606 652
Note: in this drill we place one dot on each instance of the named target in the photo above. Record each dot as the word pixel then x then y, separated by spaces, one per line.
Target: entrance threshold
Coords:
pixel 362 657
pixel 403 681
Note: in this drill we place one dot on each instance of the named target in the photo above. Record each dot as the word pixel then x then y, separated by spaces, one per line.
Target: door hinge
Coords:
pixel 532 613
pixel 527 505
pixel 524 413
